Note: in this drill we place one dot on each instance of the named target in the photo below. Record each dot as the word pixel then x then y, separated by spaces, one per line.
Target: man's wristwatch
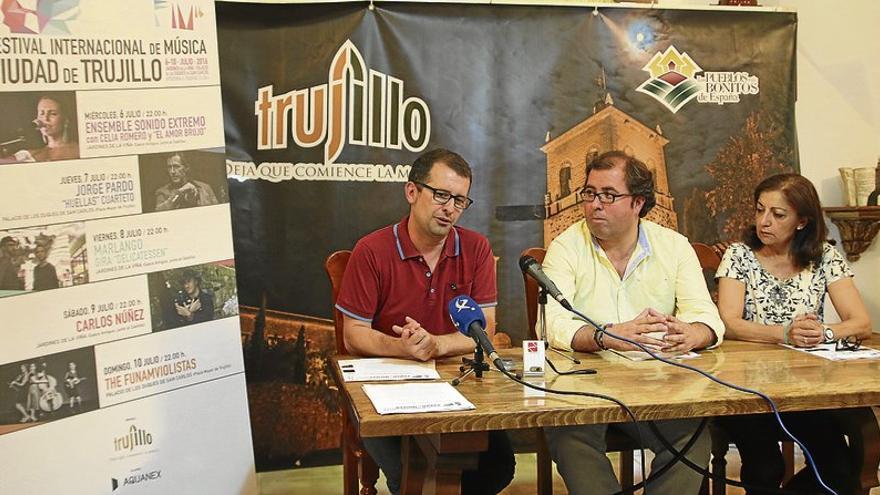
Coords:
pixel 828 333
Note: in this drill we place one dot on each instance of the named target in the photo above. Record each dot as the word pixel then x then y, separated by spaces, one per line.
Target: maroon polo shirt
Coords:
pixel 387 279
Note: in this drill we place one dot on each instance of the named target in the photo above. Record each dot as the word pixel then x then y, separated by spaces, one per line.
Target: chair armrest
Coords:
pixel 501 340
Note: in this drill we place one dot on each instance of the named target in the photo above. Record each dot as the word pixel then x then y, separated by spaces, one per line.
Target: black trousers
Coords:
pixel 495 467
pixel 494 472
pixel 757 438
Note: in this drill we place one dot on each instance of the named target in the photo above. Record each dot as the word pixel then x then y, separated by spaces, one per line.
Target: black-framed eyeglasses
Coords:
pixel 442 196
pixel 851 343
pixel 588 195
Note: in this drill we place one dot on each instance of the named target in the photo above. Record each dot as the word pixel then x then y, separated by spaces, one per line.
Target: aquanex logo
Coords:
pixel 357 106
pixel 136 478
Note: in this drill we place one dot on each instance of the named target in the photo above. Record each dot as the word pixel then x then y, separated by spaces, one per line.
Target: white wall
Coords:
pixel 838 108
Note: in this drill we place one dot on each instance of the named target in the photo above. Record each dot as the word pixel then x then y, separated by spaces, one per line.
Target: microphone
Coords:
pixel 532 268
pixel 469 320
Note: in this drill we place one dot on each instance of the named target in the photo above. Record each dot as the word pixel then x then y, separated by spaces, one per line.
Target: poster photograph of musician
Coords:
pixel 38 127
pixel 47 388
pixel 192 295
pixel 42 258
pixel 182 179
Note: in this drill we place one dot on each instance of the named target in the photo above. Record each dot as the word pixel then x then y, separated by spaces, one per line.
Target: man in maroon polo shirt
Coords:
pixel 397 285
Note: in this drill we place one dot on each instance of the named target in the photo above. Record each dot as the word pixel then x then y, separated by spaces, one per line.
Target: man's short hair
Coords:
pixel 7 240
pixel 639 178
pixel 191 275
pixel 421 168
pixel 183 160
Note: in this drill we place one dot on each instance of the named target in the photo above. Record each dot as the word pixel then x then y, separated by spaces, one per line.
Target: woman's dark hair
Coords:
pixel 807 243
pixel 638 177
pixel 66 106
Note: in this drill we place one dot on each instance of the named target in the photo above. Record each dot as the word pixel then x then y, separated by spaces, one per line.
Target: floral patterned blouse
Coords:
pixel 771 301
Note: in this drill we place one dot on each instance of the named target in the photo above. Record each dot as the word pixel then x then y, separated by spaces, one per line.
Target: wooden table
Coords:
pixel 449 442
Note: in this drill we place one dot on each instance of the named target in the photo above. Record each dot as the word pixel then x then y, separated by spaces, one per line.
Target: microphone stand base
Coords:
pixel 475 366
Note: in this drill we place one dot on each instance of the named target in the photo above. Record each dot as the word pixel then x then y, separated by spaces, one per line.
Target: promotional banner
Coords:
pixel 120 341
pixel 327 105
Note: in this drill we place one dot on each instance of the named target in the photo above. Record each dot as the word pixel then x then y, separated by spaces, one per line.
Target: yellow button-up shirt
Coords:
pixel 663 273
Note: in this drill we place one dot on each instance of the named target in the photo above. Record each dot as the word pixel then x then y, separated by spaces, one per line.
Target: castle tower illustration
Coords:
pixel 607 129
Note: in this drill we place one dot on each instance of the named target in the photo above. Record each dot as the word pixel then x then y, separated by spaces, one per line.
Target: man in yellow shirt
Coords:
pixel 645 281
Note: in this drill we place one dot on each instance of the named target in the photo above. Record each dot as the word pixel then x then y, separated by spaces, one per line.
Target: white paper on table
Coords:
pixel 827 351
pixel 386 369
pixel 409 398
pixel 644 356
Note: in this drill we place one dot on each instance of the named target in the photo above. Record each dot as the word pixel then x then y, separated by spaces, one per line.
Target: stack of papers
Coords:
pixel 386 369
pixel 827 351
pixel 410 398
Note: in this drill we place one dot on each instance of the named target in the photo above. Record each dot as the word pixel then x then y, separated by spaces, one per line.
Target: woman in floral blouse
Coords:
pixel 772 288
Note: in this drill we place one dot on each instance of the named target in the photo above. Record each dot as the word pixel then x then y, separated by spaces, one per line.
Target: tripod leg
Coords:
pixel 461 377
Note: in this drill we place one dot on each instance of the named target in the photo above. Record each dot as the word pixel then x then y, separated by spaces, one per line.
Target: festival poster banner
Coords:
pixel 36 324
pixel 319 146
pixel 68 191
pixel 114 196
pixel 142 446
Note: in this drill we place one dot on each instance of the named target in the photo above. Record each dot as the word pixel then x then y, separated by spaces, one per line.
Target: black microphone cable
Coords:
pixel 719 381
pixel 582 371
pixel 679 456
pixel 623 406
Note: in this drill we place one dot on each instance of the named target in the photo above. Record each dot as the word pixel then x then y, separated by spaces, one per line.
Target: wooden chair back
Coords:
pixel 710 258
pixel 335 267
pixel 359 471
pixel 532 291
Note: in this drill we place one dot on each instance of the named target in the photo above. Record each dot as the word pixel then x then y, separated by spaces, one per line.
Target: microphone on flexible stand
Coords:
pixel 532 268
pixel 469 319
